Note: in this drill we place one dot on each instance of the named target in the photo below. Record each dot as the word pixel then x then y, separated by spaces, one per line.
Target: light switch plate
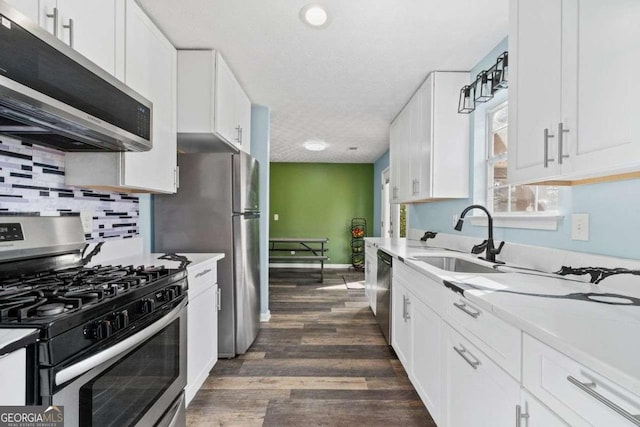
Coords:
pixel 580 226
pixel 87 221
pixel 276 217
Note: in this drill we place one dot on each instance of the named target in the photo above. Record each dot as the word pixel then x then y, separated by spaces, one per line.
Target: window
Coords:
pixel 502 197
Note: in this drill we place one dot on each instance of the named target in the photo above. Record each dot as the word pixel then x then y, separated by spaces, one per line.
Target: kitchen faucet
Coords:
pixel 491 251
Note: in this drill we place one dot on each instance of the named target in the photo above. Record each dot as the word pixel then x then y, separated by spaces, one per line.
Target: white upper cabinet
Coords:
pixel 89 26
pixel 212 106
pixel 573 89
pixel 29 8
pixel 429 143
pixel 535 88
pixel 150 64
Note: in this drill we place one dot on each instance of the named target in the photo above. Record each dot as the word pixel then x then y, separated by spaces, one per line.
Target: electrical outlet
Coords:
pixel 87 221
pixel 293 252
pixel 580 226
pixel 276 217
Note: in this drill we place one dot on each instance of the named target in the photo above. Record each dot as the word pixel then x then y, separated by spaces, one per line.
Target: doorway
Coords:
pixel 392 215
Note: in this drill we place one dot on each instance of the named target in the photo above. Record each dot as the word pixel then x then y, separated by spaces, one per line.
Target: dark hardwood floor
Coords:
pixel 320 361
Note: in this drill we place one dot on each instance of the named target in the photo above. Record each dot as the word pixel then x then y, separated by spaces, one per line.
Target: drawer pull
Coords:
pixel 520 416
pixel 589 389
pixel 218 299
pixel 202 273
pixel 462 352
pixel 464 307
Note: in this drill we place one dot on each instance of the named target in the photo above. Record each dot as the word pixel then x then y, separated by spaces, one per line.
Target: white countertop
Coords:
pixel 150 259
pixel 601 336
pixel 14 338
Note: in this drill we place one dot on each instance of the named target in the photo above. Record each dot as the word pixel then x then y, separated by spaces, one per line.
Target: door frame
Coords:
pixel 389 213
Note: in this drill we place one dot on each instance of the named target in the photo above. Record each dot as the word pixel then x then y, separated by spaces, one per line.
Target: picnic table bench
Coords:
pixel 299 249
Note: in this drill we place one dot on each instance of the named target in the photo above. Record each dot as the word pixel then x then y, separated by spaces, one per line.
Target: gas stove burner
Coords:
pixel 50 309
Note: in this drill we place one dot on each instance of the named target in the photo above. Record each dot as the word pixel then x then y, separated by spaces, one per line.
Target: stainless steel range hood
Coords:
pixel 52 95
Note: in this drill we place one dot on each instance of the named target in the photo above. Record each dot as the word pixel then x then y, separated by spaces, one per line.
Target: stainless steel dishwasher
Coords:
pixel 383 294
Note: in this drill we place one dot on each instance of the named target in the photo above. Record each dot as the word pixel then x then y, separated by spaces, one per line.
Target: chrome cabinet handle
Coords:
pixel 408 303
pixel 561 132
pixel 237 133
pixel 547 136
pixel 520 416
pixel 69 27
pixel 404 307
pixel 416 186
pixel 218 306
pixel 202 273
pixel 241 135
pixel 589 389
pixel 54 16
pixel 464 308
pixel 463 352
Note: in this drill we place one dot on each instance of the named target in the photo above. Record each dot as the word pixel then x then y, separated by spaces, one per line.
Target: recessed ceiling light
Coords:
pixel 315 15
pixel 315 145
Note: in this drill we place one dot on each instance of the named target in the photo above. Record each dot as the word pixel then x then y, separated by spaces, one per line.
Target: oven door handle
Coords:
pixel 122 347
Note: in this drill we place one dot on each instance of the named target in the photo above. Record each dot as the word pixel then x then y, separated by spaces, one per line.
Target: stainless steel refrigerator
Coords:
pixel 216 210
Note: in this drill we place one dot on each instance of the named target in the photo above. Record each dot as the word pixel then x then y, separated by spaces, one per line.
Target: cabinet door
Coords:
pixel 478 393
pixel 93 29
pixel 226 123
pixel 401 323
pixel 536 414
pixel 29 8
pixel 601 54
pixel 394 160
pixel 399 158
pixel 421 166
pixel 13 388
pixel 202 339
pixel 413 164
pixel 151 70
pixel 427 356
pixel 243 113
pixel 535 89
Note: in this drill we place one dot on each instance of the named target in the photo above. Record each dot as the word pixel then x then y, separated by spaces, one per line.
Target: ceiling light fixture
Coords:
pixel 315 15
pixel 315 145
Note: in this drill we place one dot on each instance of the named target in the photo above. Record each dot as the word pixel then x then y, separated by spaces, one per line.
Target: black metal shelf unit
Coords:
pixel 358 233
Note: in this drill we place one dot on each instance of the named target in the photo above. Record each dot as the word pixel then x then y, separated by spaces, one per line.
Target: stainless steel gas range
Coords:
pixel 112 340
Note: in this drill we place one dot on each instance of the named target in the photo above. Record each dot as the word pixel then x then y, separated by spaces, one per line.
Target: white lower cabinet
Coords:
pixel 579 395
pixel 370 274
pixel 14 383
pixel 401 323
pixel 477 392
pixel 471 368
pixel 202 327
pixel 532 413
pixel 426 368
pixel 416 338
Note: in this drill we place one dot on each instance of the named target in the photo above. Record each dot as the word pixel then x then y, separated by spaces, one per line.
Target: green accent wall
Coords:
pixel 319 200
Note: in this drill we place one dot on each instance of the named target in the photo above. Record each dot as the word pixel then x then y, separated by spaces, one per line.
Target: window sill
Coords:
pixel 547 221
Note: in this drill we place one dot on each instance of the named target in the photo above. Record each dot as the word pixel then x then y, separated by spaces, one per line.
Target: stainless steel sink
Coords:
pixel 458 265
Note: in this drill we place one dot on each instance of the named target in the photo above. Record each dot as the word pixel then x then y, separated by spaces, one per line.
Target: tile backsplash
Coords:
pixel 32 183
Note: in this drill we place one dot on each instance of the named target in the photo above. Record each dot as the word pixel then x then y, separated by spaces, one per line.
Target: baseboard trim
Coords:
pixel 314 266
pixel 264 317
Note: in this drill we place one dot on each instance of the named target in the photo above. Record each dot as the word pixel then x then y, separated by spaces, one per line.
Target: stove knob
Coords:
pixel 169 294
pixel 99 330
pixel 146 306
pixel 177 289
pixel 120 320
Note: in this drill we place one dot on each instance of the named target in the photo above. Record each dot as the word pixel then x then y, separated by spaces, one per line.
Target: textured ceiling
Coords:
pixel 342 84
